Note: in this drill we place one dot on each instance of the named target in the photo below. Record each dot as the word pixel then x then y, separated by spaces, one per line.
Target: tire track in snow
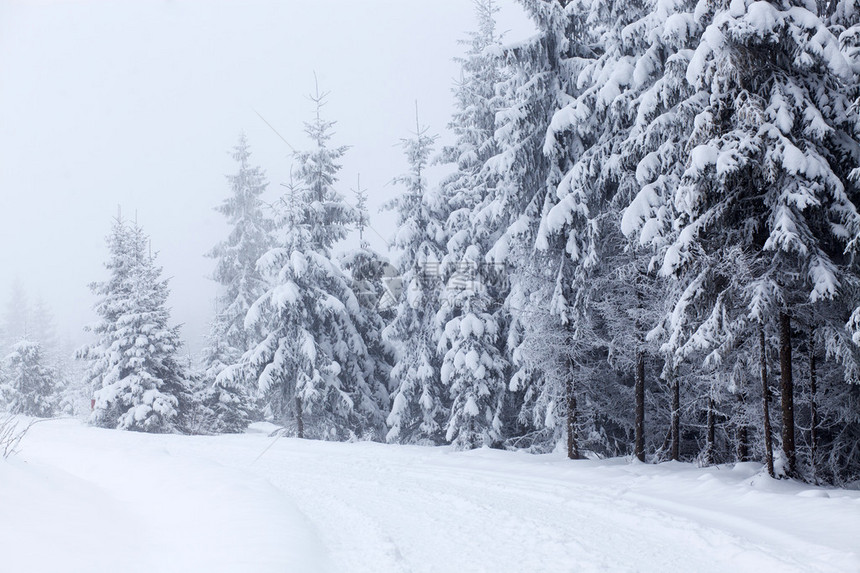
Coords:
pixel 401 509
pixel 679 521
pixel 428 516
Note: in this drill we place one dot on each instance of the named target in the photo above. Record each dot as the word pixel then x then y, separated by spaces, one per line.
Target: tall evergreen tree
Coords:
pixel 419 407
pixel 471 316
pixel 138 382
pixel 310 361
pixel 513 187
pixel 236 257
pixel 624 55
pixel 367 271
pixel 537 79
pixel 223 406
pixel 242 284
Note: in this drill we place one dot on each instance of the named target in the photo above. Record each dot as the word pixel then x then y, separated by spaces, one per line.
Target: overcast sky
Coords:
pixel 106 103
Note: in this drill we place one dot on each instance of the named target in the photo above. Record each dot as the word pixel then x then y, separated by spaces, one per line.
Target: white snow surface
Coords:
pixel 84 499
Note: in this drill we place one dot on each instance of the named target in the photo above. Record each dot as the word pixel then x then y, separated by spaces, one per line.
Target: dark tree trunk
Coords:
pixel 765 401
pixel 743 432
pixel 639 390
pixel 813 405
pixel 300 424
pixel 572 446
pixel 786 386
pixel 743 444
pixel 709 450
pixel 666 441
pixel 639 382
pixel 570 399
pixel 676 418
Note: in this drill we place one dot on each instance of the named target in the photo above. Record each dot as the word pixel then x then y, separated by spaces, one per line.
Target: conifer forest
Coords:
pixel 636 244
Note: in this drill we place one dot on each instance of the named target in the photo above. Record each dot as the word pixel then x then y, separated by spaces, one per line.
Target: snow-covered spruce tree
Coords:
pixel 113 302
pixel 628 89
pixel 420 407
pixel 583 141
pixel 467 190
pixel 28 385
pixel 833 415
pixel 534 77
pixel 236 257
pixel 71 394
pixel 220 406
pixel 565 349
pixel 471 314
pixel 209 411
pixel 366 269
pixel 242 284
pixel 565 59
pixel 311 362
pixel 473 366
pixel 138 382
pixel 218 355
pixel 766 172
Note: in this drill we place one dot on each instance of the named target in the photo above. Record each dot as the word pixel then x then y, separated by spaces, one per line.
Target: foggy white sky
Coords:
pixel 106 103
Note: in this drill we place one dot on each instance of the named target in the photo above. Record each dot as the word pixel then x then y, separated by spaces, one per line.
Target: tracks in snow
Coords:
pixel 403 509
pixel 314 506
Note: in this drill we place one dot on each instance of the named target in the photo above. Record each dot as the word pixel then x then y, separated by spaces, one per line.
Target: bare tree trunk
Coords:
pixel 786 387
pixel 676 418
pixel 572 446
pixel 666 441
pixel 639 390
pixel 300 425
pixel 743 433
pixel 813 388
pixel 639 383
pixel 709 449
pixel 765 400
pixel 570 398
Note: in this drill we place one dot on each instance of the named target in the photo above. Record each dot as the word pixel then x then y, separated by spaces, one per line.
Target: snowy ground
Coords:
pixel 79 499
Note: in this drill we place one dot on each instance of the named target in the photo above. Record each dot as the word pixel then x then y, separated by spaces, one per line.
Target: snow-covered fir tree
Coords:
pixel 222 406
pixel 536 80
pixel 236 257
pixel 138 382
pixel 419 408
pixel 311 359
pixel 35 324
pixel 367 271
pixel 594 137
pixel 241 284
pixel 28 385
pixel 471 315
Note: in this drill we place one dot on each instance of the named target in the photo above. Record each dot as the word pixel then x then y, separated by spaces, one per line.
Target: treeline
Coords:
pixel 646 245
pixel 38 375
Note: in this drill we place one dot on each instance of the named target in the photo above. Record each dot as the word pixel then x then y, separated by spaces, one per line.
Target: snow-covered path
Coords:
pixel 172 503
